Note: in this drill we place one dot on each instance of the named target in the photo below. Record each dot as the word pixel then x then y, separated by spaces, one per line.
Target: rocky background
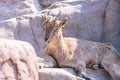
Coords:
pixel 21 34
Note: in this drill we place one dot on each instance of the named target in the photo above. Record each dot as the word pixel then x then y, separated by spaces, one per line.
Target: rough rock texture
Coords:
pixel 26 28
pixel 112 23
pixel 17 61
pixel 46 3
pixel 99 74
pixel 85 17
pixel 37 5
pixel 58 74
pixel 13 8
pixel 69 74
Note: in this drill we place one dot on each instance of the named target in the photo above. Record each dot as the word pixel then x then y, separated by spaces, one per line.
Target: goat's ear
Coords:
pixel 63 22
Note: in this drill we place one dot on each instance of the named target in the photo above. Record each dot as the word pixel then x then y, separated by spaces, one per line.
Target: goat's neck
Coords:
pixel 58 43
pixel 61 43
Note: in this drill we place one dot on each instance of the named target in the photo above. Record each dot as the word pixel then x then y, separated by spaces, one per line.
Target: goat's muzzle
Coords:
pixel 46 38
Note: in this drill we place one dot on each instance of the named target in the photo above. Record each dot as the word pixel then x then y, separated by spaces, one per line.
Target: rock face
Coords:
pixel 58 74
pixel 85 18
pixel 69 74
pixel 26 28
pixel 46 3
pixel 17 61
pixel 112 24
pixel 13 8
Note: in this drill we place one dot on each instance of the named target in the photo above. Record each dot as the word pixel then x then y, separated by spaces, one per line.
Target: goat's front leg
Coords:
pixel 49 61
pixel 80 68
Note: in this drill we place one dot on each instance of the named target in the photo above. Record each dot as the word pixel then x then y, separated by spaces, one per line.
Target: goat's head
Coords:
pixel 52 27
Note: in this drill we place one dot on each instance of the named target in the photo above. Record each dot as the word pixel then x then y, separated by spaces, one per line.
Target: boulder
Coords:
pixel 112 24
pixel 99 74
pixel 13 8
pixel 87 20
pixel 46 3
pixel 17 61
pixel 26 28
pixel 57 74
pixel 69 74
pixel 37 5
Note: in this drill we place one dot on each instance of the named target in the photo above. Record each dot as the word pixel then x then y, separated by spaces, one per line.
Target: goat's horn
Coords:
pixel 45 16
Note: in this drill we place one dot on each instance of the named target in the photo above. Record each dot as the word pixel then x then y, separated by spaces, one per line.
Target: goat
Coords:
pixel 77 53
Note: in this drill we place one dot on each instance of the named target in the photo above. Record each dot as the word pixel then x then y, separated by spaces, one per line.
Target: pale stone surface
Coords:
pixel 99 74
pixel 112 23
pixel 17 61
pixel 37 5
pixel 58 74
pixel 85 17
pixel 13 8
pixel 26 28
pixel 69 74
pixel 46 3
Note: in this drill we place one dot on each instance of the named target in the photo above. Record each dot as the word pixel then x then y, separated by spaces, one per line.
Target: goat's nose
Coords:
pixel 46 38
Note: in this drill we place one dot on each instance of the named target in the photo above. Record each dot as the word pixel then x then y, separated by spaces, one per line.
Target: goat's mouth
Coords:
pixel 47 41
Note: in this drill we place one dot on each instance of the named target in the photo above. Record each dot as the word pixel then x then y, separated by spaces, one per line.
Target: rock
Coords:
pixel 112 24
pixel 57 74
pixel 26 28
pixel 99 74
pixel 69 74
pixel 37 5
pixel 85 18
pixel 13 8
pixel 17 61
pixel 46 3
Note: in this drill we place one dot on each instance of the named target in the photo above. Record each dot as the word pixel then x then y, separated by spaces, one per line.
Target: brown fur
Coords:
pixel 78 53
